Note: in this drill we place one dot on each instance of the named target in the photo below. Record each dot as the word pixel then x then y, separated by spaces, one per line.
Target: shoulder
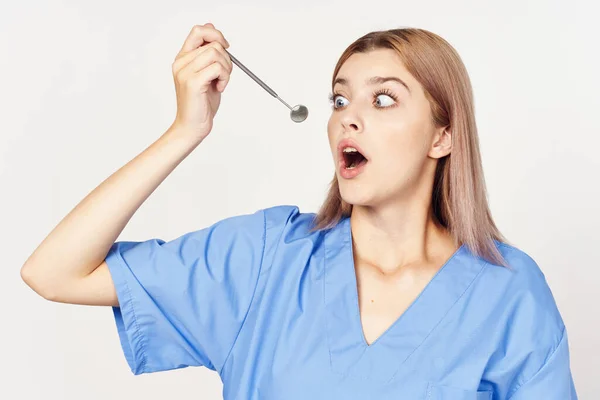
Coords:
pixel 521 318
pixel 524 304
pixel 266 226
pixel 288 220
pixel 531 337
pixel 258 228
pixel 269 218
pixel 523 270
pixel 285 215
pixel 524 277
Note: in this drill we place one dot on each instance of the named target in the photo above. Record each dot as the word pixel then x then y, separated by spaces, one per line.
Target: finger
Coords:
pixel 206 76
pixel 202 53
pixel 201 34
pixel 217 46
pixel 207 56
pixel 199 64
pixel 226 57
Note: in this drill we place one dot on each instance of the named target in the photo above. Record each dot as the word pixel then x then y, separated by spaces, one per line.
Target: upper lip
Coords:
pixel 349 143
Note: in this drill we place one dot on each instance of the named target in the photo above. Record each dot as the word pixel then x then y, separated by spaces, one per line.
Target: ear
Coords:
pixel 442 143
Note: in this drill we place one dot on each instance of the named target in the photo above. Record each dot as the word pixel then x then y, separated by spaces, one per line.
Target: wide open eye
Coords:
pixel 383 102
pixel 336 100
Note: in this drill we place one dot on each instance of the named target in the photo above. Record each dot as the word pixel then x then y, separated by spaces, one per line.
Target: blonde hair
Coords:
pixel 459 197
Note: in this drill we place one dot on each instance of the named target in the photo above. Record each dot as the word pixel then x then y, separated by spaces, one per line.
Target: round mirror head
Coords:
pixel 299 113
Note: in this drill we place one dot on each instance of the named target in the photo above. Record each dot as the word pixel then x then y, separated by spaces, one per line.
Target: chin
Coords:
pixel 355 195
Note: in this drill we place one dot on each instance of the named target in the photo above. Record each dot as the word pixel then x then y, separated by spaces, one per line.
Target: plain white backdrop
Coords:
pixel 86 86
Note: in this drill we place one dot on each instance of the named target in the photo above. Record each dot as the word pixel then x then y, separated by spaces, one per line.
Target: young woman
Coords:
pixel 399 287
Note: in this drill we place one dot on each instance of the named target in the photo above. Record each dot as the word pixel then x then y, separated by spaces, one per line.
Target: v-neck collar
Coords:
pixel 350 354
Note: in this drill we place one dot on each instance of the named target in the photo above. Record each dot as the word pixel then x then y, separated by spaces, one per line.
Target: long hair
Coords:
pixel 459 197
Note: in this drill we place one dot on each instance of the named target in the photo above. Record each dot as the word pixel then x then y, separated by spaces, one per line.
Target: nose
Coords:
pixel 350 122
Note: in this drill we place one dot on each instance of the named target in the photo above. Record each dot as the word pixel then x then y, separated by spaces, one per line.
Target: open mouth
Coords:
pixel 352 158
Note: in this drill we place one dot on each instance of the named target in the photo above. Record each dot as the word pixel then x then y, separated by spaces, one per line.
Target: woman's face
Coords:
pixel 380 110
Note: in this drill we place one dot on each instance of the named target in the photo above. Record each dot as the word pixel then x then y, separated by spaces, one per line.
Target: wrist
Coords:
pixel 183 135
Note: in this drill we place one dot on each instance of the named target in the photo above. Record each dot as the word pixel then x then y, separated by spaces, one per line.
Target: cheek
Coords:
pixel 330 135
pixel 405 147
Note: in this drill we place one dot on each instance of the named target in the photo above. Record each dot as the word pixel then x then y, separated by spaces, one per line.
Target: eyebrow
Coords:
pixel 374 80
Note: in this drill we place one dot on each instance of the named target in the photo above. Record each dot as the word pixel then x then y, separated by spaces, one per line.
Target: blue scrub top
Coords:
pixel 273 308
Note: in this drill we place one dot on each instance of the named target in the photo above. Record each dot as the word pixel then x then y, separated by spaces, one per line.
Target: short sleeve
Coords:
pixel 183 302
pixel 553 381
pixel 530 358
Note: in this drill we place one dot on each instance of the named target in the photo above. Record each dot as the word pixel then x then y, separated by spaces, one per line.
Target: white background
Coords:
pixel 86 86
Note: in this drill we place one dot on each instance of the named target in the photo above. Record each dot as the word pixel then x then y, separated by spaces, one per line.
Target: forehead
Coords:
pixel 381 62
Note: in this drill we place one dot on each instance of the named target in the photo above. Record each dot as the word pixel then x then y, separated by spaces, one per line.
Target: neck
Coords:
pixel 399 236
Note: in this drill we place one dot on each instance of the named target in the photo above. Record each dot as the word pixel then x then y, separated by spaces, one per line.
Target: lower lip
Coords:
pixel 351 173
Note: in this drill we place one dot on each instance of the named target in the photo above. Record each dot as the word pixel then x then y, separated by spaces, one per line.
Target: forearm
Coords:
pixel 80 242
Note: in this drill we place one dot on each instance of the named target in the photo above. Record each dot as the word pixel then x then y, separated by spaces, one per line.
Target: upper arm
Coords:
pixel 552 381
pixel 533 360
pixel 183 302
pixel 96 289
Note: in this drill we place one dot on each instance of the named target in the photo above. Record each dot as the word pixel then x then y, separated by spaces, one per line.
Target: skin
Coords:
pixel 398 247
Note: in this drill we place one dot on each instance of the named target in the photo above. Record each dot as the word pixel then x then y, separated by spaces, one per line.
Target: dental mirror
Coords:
pixel 298 113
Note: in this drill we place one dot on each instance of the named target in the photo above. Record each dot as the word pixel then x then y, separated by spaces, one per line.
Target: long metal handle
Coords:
pixel 256 78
